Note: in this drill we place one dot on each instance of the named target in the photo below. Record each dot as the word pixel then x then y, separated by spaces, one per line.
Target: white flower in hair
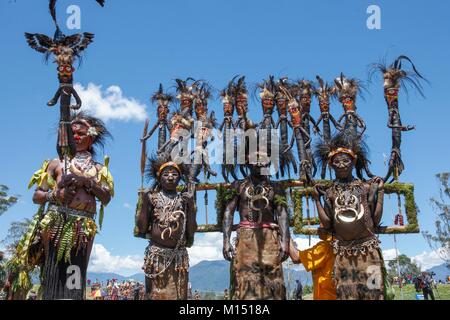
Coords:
pixel 92 132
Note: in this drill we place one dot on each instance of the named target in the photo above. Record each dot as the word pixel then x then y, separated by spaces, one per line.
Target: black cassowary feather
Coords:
pixel 398 75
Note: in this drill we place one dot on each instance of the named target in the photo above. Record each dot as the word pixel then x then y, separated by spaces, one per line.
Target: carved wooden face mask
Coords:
pixel 65 73
pixel 268 104
pixel 163 111
pixel 391 95
pixel 296 116
pixel 282 106
pixel 348 103
pixel 305 102
pixel 324 103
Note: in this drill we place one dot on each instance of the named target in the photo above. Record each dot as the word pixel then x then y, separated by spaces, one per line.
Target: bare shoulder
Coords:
pixel 54 165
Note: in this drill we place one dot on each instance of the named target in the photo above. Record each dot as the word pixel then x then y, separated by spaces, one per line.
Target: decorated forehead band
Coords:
pixel 92 131
pixel 169 164
pixel 342 150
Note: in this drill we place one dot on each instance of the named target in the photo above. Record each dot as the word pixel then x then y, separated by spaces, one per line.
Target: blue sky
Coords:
pixel 141 43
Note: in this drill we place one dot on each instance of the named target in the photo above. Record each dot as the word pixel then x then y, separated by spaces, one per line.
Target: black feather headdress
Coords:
pixel 156 162
pixel 395 76
pixel 72 46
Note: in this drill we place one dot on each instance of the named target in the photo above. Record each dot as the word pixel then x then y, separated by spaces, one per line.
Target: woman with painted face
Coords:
pixel 61 234
pixel 351 211
pixel 168 219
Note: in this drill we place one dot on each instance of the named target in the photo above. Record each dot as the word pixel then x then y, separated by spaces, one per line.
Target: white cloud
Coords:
pixel 110 104
pixel 424 261
pixel 103 261
pixel 206 246
pixel 127 205
pixel 389 254
pixel 428 259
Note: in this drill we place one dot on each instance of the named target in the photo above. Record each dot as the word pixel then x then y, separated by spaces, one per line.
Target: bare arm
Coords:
pixel 191 217
pixel 283 222
pixel 100 192
pixel 227 228
pixel 144 214
pixel 322 212
pixel 376 197
pixel 40 196
pixel 293 252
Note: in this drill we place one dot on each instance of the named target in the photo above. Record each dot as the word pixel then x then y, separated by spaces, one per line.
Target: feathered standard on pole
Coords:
pixel 300 135
pixel 287 159
pixel 229 104
pixel 395 77
pixel 66 49
pixel 324 94
pixel 163 101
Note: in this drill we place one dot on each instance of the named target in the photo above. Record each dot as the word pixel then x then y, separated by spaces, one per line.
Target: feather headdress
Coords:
pixel 343 143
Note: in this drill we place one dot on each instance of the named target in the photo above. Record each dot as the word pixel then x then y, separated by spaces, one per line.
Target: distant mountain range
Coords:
pixel 207 276
pixel 441 272
pixel 215 276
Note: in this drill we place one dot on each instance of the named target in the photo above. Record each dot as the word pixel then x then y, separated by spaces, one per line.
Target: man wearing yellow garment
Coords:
pixel 320 261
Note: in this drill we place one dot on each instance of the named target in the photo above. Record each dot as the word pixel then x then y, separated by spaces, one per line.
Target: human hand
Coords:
pixel 228 250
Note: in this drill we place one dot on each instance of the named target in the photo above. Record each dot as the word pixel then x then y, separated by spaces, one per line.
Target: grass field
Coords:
pixel 409 293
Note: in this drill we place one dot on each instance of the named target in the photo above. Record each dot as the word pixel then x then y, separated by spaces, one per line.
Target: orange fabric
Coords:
pixel 320 261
